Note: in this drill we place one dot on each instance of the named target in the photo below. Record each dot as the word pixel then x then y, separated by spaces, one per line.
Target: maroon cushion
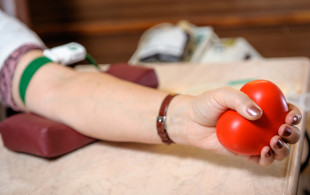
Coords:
pixel 140 75
pixel 33 134
pixel 36 135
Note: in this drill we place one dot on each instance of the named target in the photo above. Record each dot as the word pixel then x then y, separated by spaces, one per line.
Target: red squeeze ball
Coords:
pixel 246 137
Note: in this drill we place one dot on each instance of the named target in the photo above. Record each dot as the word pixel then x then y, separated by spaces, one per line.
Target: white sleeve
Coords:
pixel 14 34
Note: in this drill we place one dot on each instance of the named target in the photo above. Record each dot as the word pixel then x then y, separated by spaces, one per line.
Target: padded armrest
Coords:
pixel 140 75
pixel 36 135
pixel 33 134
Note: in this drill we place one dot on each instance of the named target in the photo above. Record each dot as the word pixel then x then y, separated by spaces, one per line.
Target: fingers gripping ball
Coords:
pixel 243 136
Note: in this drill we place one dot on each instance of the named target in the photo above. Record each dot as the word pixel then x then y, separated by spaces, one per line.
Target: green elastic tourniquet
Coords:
pixel 92 61
pixel 28 73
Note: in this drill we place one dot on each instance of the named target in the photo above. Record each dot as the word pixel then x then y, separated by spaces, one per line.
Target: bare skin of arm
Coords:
pixel 107 108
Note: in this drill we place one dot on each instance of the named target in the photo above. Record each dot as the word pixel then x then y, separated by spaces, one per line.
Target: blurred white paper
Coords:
pixel 230 50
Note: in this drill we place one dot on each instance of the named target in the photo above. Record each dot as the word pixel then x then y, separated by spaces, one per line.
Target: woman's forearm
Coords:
pixel 95 104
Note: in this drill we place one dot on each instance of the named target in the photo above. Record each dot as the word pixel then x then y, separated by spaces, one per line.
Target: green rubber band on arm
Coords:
pixel 92 61
pixel 28 73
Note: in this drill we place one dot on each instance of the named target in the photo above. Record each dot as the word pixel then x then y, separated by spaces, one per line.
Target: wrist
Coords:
pixel 178 118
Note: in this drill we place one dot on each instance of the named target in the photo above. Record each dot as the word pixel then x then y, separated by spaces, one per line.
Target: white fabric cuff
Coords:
pixel 14 34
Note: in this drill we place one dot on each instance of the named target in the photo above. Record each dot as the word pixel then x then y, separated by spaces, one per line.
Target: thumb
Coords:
pixel 253 112
pixel 240 102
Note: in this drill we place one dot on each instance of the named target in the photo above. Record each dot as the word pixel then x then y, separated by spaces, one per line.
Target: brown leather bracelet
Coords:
pixel 161 120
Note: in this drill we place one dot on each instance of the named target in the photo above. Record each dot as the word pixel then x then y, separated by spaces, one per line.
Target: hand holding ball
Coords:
pixel 243 136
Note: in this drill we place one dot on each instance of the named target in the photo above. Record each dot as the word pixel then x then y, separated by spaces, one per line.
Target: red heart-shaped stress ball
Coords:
pixel 243 136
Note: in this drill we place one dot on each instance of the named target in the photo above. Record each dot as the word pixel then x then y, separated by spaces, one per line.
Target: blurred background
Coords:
pixel 111 29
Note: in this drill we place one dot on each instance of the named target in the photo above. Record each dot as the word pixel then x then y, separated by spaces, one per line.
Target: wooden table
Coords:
pixel 130 168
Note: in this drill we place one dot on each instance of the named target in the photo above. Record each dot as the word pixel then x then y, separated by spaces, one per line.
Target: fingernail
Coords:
pixel 279 144
pixel 287 132
pixel 254 111
pixel 296 119
pixel 268 154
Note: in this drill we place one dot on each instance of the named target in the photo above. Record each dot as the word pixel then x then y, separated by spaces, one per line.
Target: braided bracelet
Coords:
pixel 161 120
